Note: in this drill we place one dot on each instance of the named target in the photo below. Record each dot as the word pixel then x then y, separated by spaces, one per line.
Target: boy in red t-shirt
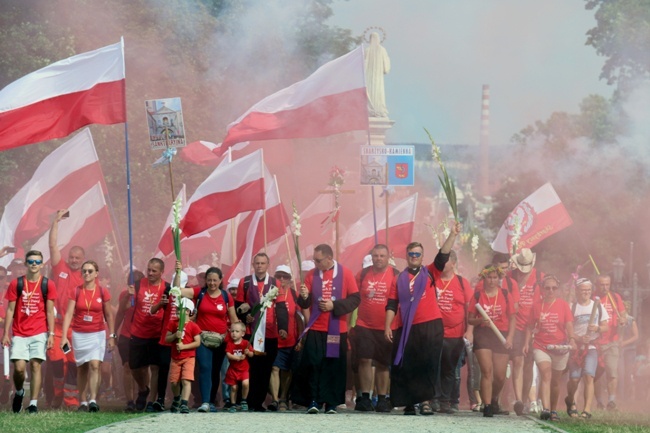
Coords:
pixel 183 357
pixel 237 349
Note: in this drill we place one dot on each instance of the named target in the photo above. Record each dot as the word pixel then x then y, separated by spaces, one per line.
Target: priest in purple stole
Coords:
pixel 414 326
pixel 330 293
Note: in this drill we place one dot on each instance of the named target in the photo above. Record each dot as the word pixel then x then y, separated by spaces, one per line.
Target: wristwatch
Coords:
pixel 51 334
pixel 112 336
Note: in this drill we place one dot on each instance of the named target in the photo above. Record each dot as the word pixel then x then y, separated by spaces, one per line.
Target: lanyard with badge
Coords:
pixel 87 316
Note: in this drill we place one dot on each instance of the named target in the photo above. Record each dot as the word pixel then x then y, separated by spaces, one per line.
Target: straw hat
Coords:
pixel 525 260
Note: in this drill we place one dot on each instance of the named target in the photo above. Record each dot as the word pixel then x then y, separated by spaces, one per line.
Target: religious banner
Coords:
pixel 165 122
pixel 387 165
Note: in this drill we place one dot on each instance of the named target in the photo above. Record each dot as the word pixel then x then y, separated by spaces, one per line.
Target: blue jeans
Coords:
pixel 210 361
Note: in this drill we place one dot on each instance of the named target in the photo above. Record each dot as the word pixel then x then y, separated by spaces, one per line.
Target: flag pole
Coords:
pixel 128 174
pixel 264 198
pixel 387 212
pixel 171 175
pixel 286 236
pixel 374 213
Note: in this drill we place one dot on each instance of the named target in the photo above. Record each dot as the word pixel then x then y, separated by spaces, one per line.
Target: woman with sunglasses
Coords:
pixel 88 312
pixel 552 326
pixel 491 353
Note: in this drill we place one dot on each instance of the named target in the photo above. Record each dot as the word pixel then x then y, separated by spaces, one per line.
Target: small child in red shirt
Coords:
pixel 237 349
pixel 183 357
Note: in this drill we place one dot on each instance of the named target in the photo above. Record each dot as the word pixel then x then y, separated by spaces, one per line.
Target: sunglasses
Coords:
pixel 551 288
pixel 317 261
pixel 414 254
pixel 33 262
pixel 87 271
pixel 282 277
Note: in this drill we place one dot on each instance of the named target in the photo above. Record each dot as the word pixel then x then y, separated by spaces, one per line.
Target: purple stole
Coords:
pixel 253 296
pixel 334 325
pixel 408 304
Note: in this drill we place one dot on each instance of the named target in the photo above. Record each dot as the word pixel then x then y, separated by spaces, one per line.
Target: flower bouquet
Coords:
pixel 446 182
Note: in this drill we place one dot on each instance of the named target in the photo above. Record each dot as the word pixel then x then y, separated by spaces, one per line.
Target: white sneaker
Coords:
pixel 204 408
pixel 534 408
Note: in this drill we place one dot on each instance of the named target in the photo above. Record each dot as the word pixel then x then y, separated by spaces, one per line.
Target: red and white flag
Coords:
pixel 330 101
pixel 88 224
pixel 206 153
pixel 64 96
pixel 360 237
pixel 251 229
pixel 534 219
pixel 61 178
pixel 232 188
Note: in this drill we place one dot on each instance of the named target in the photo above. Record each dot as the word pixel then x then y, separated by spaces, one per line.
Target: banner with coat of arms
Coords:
pixel 387 165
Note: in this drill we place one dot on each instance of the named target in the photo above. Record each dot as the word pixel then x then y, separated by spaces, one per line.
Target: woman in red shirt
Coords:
pixel 213 310
pixel 552 325
pixel 88 311
pixel 491 353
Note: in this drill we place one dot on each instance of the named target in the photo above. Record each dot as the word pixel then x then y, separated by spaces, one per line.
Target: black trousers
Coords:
pixel 260 367
pixel 452 348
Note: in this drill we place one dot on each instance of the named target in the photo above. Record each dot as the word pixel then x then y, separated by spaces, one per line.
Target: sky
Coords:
pixel 532 54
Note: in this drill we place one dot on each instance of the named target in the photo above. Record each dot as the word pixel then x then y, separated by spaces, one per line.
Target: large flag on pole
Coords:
pixel 232 188
pixel 330 101
pixel 360 237
pixel 537 217
pixel 61 178
pixel 89 223
pixel 64 96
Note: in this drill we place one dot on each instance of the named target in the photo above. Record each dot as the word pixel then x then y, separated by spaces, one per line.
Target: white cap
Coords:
pixel 367 261
pixel 307 265
pixel 187 304
pixel 233 283
pixel 283 268
pixel 202 269
pixel 191 272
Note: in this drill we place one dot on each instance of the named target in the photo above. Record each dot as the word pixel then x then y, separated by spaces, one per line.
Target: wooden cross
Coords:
pixel 337 193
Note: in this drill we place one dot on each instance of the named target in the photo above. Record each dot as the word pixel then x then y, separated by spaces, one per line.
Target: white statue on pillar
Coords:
pixel 377 65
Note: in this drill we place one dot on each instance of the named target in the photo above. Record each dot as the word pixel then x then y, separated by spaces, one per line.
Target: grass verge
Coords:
pixel 606 422
pixel 60 421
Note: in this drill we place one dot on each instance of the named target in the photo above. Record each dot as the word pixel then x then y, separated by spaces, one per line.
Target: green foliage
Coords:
pixel 622 36
pixel 60 421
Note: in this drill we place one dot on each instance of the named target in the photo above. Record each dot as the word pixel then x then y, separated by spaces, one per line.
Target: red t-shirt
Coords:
pixel 499 308
pixel 238 349
pixel 529 294
pixel 125 329
pixel 212 314
pixel 612 332
pixel 66 281
pixel 30 314
pixel 427 308
pixel 452 301
pixel 513 288
pixel 285 295
pixel 349 287
pixel 88 313
pixel 190 331
pixel 550 319
pixel 170 311
pixel 374 290
pixel 271 320
pixel 145 324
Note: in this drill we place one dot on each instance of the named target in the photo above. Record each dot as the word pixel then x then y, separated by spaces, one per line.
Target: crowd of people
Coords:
pixel 281 341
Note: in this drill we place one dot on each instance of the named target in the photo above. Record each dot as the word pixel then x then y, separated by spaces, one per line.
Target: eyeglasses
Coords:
pixel 283 277
pixel 317 261
pixel 414 254
pixel 33 262
pixel 551 288
pixel 87 271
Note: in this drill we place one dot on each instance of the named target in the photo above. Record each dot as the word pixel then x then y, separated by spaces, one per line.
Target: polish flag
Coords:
pixel 537 217
pixel 252 228
pixel 64 96
pixel 88 224
pixel 360 237
pixel 69 171
pixel 206 153
pixel 232 188
pixel 330 101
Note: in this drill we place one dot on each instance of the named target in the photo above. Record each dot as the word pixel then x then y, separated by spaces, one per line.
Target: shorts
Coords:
pixel 611 353
pixel 88 346
pixel 588 367
pixel 123 348
pixel 284 358
pixel 558 361
pixel 144 352
pixel 371 344
pixel 518 344
pixel 484 338
pixel 28 348
pixel 182 369
pixel 233 377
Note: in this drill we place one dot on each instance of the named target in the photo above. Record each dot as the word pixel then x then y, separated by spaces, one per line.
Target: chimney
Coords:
pixel 484 142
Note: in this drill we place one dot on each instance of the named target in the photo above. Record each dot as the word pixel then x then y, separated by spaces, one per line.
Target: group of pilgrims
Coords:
pixel 279 342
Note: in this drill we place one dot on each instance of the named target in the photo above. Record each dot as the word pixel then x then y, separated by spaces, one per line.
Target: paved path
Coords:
pixel 345 421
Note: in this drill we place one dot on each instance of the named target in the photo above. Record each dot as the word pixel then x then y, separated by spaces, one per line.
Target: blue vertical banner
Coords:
pixel 387 165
